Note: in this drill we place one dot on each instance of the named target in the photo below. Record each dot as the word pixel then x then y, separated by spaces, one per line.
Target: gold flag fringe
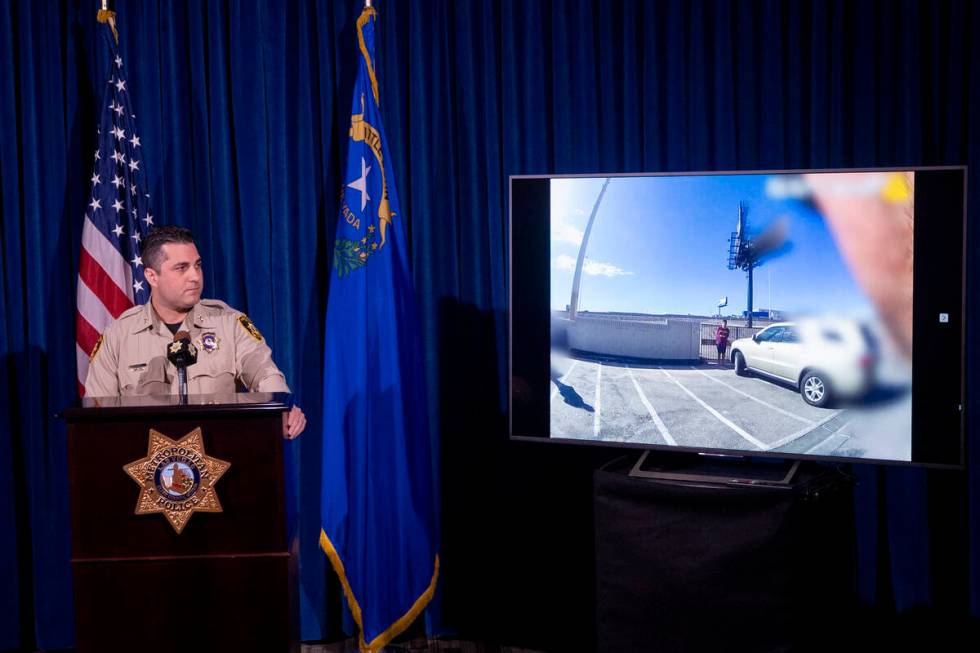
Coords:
pixel 106 16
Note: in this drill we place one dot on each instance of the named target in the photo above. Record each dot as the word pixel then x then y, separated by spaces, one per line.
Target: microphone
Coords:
pixel 182 354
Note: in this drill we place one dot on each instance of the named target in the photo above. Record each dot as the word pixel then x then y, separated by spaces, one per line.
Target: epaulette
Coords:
pixel 131 311
pixel 216 307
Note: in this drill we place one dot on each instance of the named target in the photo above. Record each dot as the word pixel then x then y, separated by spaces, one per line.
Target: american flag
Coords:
pixel 117 217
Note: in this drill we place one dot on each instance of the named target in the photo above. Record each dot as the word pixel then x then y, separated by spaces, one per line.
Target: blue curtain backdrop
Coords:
pixel 241 110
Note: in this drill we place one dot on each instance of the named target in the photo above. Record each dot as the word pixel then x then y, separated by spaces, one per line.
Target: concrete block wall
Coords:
pixel 664 339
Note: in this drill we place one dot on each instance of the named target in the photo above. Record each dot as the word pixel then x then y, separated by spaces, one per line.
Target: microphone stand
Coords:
pixel 182 385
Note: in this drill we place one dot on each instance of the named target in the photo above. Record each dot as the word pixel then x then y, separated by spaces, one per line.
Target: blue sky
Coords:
pixel 660 245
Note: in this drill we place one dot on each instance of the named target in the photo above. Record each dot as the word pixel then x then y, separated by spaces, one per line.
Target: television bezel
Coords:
pixel 713 452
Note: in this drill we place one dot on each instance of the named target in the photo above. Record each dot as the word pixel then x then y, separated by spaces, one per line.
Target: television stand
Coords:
pixel 684 566
pixel 714 470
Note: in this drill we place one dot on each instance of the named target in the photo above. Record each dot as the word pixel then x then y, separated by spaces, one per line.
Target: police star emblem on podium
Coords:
pixel 177 478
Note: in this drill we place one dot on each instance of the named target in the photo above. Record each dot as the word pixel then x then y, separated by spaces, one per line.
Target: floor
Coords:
pixel 419 645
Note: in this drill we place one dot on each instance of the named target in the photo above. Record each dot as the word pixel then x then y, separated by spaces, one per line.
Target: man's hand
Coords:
pixel 293 423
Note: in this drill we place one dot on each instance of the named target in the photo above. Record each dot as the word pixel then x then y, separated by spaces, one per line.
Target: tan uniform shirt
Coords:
pixel 131 356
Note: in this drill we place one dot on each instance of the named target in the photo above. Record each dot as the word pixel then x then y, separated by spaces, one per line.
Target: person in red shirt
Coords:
pixel 721 339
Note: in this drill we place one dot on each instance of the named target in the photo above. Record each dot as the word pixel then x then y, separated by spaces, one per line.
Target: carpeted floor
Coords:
pixel 419 645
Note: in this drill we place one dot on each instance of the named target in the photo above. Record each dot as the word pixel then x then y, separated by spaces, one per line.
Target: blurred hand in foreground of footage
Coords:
pixel 871 216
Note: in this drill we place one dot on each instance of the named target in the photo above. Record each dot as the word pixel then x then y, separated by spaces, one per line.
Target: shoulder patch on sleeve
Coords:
pixel 249 327
pixel 96 348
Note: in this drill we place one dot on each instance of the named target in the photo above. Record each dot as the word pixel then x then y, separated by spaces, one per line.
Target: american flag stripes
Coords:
pixel 117 217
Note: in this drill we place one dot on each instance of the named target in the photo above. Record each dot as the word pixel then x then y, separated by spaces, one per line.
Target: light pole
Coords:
pixel 576 283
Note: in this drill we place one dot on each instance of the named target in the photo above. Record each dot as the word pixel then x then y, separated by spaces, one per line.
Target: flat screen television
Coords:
pixel 788 314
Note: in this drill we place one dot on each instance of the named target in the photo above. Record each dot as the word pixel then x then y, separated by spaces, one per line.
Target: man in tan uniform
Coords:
pixel 130 357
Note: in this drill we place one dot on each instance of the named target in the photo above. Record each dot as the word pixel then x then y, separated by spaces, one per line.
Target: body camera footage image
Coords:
pixel 767 313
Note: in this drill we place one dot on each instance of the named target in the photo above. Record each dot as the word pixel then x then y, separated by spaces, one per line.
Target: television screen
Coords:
pixel 791 314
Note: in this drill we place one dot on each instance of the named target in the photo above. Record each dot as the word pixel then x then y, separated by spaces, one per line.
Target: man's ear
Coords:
pixel 151 276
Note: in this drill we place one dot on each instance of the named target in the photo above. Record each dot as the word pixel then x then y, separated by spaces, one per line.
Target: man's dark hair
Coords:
pixel 152 248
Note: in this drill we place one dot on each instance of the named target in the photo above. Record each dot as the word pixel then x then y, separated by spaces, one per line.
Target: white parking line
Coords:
pixel 554 391
pixel 653 414
pixel 803 431
pixel 757 400
pixel 836 434
pixel 595 416
pixel 724 420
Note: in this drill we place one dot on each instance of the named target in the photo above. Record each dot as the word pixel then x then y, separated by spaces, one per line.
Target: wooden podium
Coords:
pixel 227 582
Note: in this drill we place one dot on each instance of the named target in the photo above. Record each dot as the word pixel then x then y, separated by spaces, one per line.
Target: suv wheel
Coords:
pixel 739 360
pixel 815 389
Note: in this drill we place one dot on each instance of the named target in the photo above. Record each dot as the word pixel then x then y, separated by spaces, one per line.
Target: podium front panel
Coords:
pixel 227 581
pixel 104 497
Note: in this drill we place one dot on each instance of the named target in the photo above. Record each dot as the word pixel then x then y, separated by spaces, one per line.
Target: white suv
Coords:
pixel 824 359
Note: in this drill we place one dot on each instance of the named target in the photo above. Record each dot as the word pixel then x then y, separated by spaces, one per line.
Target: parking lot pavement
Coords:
pixel 690 406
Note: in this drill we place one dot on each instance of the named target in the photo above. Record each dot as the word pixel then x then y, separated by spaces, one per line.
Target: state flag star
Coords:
pixel 138 286
pixel 118 133
pixel 119 109
pixel 97 155
pixel 95 179
pixel 121 85
pixel 117 205
pixel 95 204
pixel 148 219
pixel 118 157
pixel 134 165
pixel 136 236
pixel 360 184
pixel 137 261
pixel 132 189
pixel 119 231
pixel 119 61
pixel 117 181
pixel 135 140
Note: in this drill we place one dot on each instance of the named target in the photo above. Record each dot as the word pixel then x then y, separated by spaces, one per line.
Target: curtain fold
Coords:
pixel 242 112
